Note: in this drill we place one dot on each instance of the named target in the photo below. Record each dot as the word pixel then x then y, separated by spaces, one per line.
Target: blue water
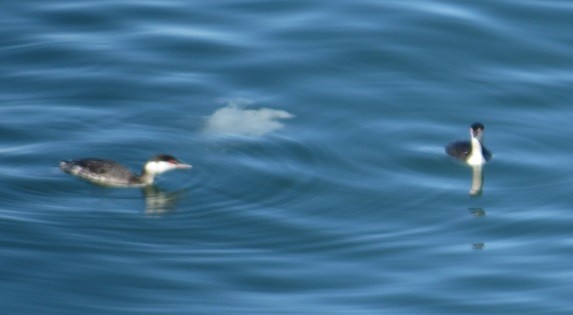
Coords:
pixel 316 131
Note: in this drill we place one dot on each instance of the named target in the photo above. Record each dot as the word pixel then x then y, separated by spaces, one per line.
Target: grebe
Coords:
pixel 112 174
pixel 472 152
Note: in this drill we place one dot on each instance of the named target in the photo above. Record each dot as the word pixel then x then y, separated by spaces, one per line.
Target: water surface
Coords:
pixel 316 133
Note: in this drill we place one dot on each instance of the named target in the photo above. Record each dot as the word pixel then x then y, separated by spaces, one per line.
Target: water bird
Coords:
pixel 112 174
pixel 472 152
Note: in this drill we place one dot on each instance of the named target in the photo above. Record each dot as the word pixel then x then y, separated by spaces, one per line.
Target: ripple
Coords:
pixel 351 207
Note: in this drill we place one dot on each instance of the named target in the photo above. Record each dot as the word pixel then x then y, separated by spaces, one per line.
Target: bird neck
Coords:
pixel 146 178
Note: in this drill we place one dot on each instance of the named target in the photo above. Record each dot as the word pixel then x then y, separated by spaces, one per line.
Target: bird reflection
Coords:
pixel 478 245
pixel 477 180
pixel 477 212
pixel 159 201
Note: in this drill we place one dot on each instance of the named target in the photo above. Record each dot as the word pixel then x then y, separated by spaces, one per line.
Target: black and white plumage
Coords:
pixel 112 174
pixel 472 152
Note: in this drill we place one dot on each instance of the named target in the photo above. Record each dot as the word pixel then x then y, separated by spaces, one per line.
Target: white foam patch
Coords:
pixel 233 120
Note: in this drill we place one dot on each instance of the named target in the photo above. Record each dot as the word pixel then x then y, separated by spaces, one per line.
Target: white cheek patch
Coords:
pixel 156 167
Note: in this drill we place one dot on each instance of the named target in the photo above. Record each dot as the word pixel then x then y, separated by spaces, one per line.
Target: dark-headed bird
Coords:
pixel 112 174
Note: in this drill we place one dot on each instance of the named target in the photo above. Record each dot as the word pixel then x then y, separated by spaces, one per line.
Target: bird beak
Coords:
pixel 184 166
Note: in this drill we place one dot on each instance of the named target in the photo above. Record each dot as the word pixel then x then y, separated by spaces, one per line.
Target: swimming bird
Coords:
pixel 472 152
pixel 112 174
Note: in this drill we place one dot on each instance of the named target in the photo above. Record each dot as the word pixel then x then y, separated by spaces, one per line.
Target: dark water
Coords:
pixel 316 131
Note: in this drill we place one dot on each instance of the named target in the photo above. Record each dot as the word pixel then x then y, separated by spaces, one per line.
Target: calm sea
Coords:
pixel 316 131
